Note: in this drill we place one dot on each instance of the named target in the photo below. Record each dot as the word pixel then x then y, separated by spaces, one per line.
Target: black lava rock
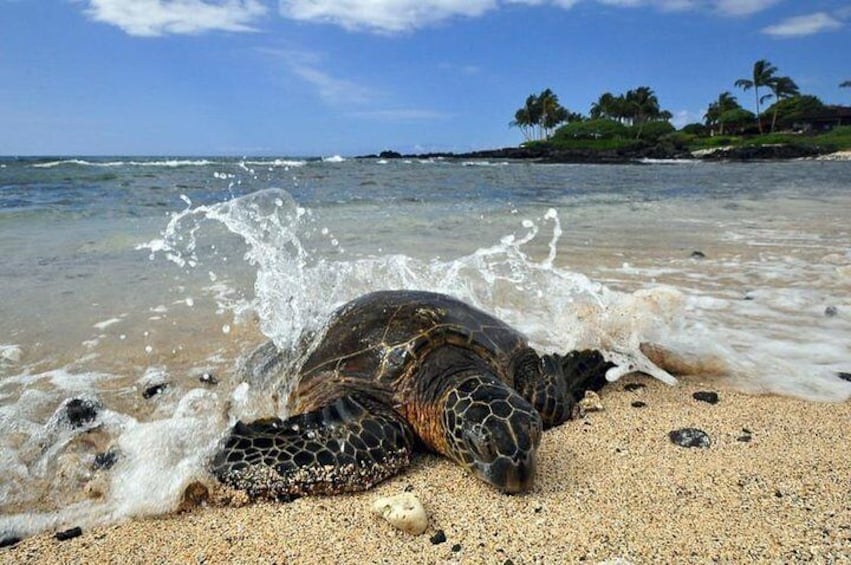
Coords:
pixel 638 404
pixel 69 534
pixel 744 438
pixel 104 461
pixel 438 537
pixel 690 437
pixel 81 411
pixel 390 155
pixel 9 541
pixel 698 255
pixel 706 396
pixel 844 376
pixel 154 390
pixel 456 548
pixel 831 311
pixel 632 387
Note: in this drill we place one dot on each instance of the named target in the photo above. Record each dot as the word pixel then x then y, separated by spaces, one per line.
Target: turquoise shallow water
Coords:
pixel 119 273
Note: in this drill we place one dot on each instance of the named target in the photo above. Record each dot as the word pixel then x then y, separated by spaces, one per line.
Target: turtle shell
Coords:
pixel 377 342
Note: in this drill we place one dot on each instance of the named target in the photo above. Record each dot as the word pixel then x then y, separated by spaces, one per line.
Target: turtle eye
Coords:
pixel 478 439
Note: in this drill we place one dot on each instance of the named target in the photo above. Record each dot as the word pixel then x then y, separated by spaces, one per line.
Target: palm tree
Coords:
pixel 782 87
pixel 527 117
pixel 604 107
pixel 542 110
pixel 763 74
pixel 643 107
pixel 552 113
pixel 726 102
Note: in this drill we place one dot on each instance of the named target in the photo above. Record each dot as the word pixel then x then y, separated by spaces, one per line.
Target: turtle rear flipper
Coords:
pixel 347 446
pixel 584 370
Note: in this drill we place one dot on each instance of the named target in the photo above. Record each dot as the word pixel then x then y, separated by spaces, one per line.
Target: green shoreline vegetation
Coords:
pixel 635 123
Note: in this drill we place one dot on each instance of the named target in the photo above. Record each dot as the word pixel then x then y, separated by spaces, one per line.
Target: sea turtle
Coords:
pixel 398 370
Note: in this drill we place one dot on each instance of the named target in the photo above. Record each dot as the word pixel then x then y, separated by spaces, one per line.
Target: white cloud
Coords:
pixel 332 90
pixel 392 16
pixel 382 15
pixel 150 18
pixel 804 25
pixel 742 7
pixel 162 17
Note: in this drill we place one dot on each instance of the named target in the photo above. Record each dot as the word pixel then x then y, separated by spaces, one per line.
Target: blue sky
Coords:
pixel 322 77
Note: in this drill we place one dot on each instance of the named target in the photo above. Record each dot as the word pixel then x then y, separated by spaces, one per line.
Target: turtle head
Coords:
pixel 493 432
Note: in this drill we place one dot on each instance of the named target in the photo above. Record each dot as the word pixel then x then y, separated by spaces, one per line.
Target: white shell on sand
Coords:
pixel 404 511
pixel 591 403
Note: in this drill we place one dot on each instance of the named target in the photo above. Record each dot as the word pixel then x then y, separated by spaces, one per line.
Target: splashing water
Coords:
pixel 297 287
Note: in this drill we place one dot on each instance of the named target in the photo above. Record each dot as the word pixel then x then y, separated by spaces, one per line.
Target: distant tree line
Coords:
pixel 637 113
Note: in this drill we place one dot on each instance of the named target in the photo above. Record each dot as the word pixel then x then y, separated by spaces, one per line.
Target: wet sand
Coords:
pixel 611 488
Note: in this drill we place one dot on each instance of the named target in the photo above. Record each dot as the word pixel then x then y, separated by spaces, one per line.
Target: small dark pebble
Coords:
pixel 105 460
pixel 508 562
pixel 698 255
pixel 456 548
pixel 706 396
pixel 438 537
pixel 690 437
pixel 632 387
pixel 746 431
pixel 844 376
pixel 538 509
pixel 154 390
pixel 209 379
pixel 9 541
pixel 81 412
pixel 638 404
pixel 748 297
pixel 409 488
pixel 69 534
pixel 778 494
pixel 831 311
pixel 744 438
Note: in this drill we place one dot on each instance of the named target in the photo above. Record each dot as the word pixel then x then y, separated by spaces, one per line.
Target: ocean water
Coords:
pixel 124 281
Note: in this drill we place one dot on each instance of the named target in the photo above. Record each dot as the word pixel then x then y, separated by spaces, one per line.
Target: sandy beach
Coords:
pixel 773 487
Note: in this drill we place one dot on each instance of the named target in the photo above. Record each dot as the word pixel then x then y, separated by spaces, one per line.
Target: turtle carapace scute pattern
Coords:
pixel 402 370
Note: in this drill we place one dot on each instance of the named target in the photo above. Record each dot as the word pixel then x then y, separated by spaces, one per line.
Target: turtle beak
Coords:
pixel 520 477
pixel 508 475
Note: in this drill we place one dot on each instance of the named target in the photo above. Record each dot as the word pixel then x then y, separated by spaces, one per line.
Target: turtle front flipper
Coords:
pixel 347 446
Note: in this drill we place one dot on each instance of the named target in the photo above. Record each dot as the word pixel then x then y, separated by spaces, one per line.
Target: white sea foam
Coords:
pixel 10 353
pixel 484 164
pixel 106 323
pixel 161 163
pixel 286 163
pixel 296 289
pixel 333 159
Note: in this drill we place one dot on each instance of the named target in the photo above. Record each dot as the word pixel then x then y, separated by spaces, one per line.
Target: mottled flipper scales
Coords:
pixel 349 445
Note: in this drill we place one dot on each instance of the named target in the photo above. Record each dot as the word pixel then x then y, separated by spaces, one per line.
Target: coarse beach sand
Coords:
pixel 775 486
